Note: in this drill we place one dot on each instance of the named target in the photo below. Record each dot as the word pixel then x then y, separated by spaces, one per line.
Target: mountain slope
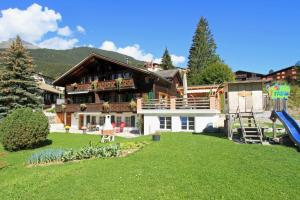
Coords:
pixel 54 63
pixel 6 44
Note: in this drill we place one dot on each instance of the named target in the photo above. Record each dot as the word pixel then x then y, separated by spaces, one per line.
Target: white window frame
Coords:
pixel 165 123
pixel 188 123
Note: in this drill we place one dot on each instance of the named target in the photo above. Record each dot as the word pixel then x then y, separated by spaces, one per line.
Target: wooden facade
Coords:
pixel 289 74
pixel 97 80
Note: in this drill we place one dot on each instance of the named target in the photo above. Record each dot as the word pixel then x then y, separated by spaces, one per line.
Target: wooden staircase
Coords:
pixel 250 129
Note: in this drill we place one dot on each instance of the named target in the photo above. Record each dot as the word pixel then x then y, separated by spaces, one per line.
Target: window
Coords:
pixel 101 120
pixel 187 123
pixel 127 121
pixel 165 122
pixel 112 119
pixel 118 122
pixel 130 121
pixel 93 120
pixel 88 119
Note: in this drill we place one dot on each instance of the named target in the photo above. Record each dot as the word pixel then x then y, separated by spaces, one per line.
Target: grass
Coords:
pixel 180 166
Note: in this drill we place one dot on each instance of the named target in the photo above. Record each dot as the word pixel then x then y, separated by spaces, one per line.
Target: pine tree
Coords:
pixel 166 62
pixel 17 86
pixel 202 51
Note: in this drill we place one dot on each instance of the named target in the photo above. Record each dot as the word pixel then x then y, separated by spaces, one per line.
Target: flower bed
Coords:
pixel 49 156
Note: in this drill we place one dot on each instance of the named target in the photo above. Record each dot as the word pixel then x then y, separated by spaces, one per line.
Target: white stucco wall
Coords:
pixel 202 120
pixel 151 124
pixel 74 121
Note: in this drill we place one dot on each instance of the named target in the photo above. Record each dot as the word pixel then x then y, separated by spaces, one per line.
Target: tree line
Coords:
pixel 204 64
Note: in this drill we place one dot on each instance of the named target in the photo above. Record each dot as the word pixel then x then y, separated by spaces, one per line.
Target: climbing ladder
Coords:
pixel 250 129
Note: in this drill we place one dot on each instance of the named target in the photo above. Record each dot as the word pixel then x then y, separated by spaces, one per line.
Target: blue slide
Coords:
pixel 291 126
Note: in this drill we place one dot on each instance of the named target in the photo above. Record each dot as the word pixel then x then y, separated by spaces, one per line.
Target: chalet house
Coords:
pixel 288 74
pixel 246 76
pixel 99 85
pixel 49 92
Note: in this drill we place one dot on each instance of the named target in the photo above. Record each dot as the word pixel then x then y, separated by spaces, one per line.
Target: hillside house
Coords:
pixel 288 74
pixel 246 76
pixel 99 85
pixel 50 93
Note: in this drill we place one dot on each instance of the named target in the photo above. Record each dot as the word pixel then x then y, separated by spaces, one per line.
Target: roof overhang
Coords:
pixel 59 81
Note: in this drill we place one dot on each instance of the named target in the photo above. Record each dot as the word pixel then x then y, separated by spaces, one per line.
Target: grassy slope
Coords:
pixel 53 63
pixel 181 166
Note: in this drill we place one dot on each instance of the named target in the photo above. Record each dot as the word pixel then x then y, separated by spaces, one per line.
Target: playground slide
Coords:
pixel 292 127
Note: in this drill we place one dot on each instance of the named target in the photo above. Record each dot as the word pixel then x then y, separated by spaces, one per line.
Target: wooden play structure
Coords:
pixel 243 100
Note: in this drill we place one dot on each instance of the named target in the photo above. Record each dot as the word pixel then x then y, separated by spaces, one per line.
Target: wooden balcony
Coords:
pixel 95 107
pixel 102 86
pixel 179 104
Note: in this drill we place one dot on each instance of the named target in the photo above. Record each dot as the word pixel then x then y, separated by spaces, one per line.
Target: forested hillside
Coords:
pixel 53 63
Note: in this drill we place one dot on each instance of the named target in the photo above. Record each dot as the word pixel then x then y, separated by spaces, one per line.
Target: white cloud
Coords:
pixel 58 43
pixel 136 52
pixel 65 31
pixel 80 29
pixel 109 46
pixel 177 59
pixel 31 24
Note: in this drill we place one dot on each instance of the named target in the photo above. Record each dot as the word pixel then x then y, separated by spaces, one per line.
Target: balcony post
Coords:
pixel 97 98
pixel 212 102
pixel 138 105
pixel 173 103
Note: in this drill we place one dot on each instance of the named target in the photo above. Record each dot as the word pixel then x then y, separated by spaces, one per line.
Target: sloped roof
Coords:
pixel 169 73
pixel 93 55
pixel 48 88
pixel 281 70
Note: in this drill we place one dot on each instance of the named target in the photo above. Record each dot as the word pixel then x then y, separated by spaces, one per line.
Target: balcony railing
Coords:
pixel 95 107
pixel 101 86
pixel 179 103
pixel 193 103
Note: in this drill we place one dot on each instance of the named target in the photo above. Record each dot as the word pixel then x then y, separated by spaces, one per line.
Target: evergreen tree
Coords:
pixel 17 86
pixel 166 62
pixel 202 51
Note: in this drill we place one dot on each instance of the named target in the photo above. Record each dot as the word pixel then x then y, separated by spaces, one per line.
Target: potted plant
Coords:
pixel 156 136
pixel 74 86
pixel 132 104
pixel 63 107
pixel 105 106
pixel 83 128
pixel 67 128
pixel 94 85
pixel 83 107
pixel 118 83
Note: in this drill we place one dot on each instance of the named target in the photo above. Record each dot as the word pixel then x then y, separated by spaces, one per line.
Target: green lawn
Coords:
pixel 180 166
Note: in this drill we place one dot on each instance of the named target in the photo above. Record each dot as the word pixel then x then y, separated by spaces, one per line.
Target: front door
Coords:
pixel 68 119
pixel 80 121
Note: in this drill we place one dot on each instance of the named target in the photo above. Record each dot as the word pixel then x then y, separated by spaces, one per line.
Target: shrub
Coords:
pixel 24 128
pixel 61 155
pixel 132 145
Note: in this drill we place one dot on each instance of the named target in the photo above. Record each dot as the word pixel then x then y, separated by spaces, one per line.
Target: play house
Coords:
pixel 245 96
pixel 243 99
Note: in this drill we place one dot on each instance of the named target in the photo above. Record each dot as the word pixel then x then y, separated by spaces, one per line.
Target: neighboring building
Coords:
pixel 49 92
pixel 245 75
pixel 99 85
pixel 288 74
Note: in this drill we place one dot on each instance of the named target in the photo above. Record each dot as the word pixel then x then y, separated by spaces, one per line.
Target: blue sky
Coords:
pixel 250 35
